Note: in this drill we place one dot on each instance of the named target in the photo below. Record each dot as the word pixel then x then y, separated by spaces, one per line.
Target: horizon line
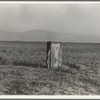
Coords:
pixel 48 41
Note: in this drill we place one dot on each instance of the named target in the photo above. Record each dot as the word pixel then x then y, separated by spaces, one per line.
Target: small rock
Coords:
pixel 82 67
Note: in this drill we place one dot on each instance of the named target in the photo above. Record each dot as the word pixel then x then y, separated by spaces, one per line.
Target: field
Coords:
pixel 23 69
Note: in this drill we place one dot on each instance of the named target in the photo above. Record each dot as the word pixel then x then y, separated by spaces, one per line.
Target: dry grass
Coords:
pixel 23 72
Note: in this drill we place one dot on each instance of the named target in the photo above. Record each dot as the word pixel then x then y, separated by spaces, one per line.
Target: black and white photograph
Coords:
pixel 50 48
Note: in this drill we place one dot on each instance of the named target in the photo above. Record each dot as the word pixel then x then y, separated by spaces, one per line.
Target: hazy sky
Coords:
pixel 64 18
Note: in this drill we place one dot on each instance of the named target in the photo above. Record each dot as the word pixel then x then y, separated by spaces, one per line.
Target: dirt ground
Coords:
pixel 23 70
pixel 23 80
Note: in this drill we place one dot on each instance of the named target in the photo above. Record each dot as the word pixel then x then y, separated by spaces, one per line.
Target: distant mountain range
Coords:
pixel 43 35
